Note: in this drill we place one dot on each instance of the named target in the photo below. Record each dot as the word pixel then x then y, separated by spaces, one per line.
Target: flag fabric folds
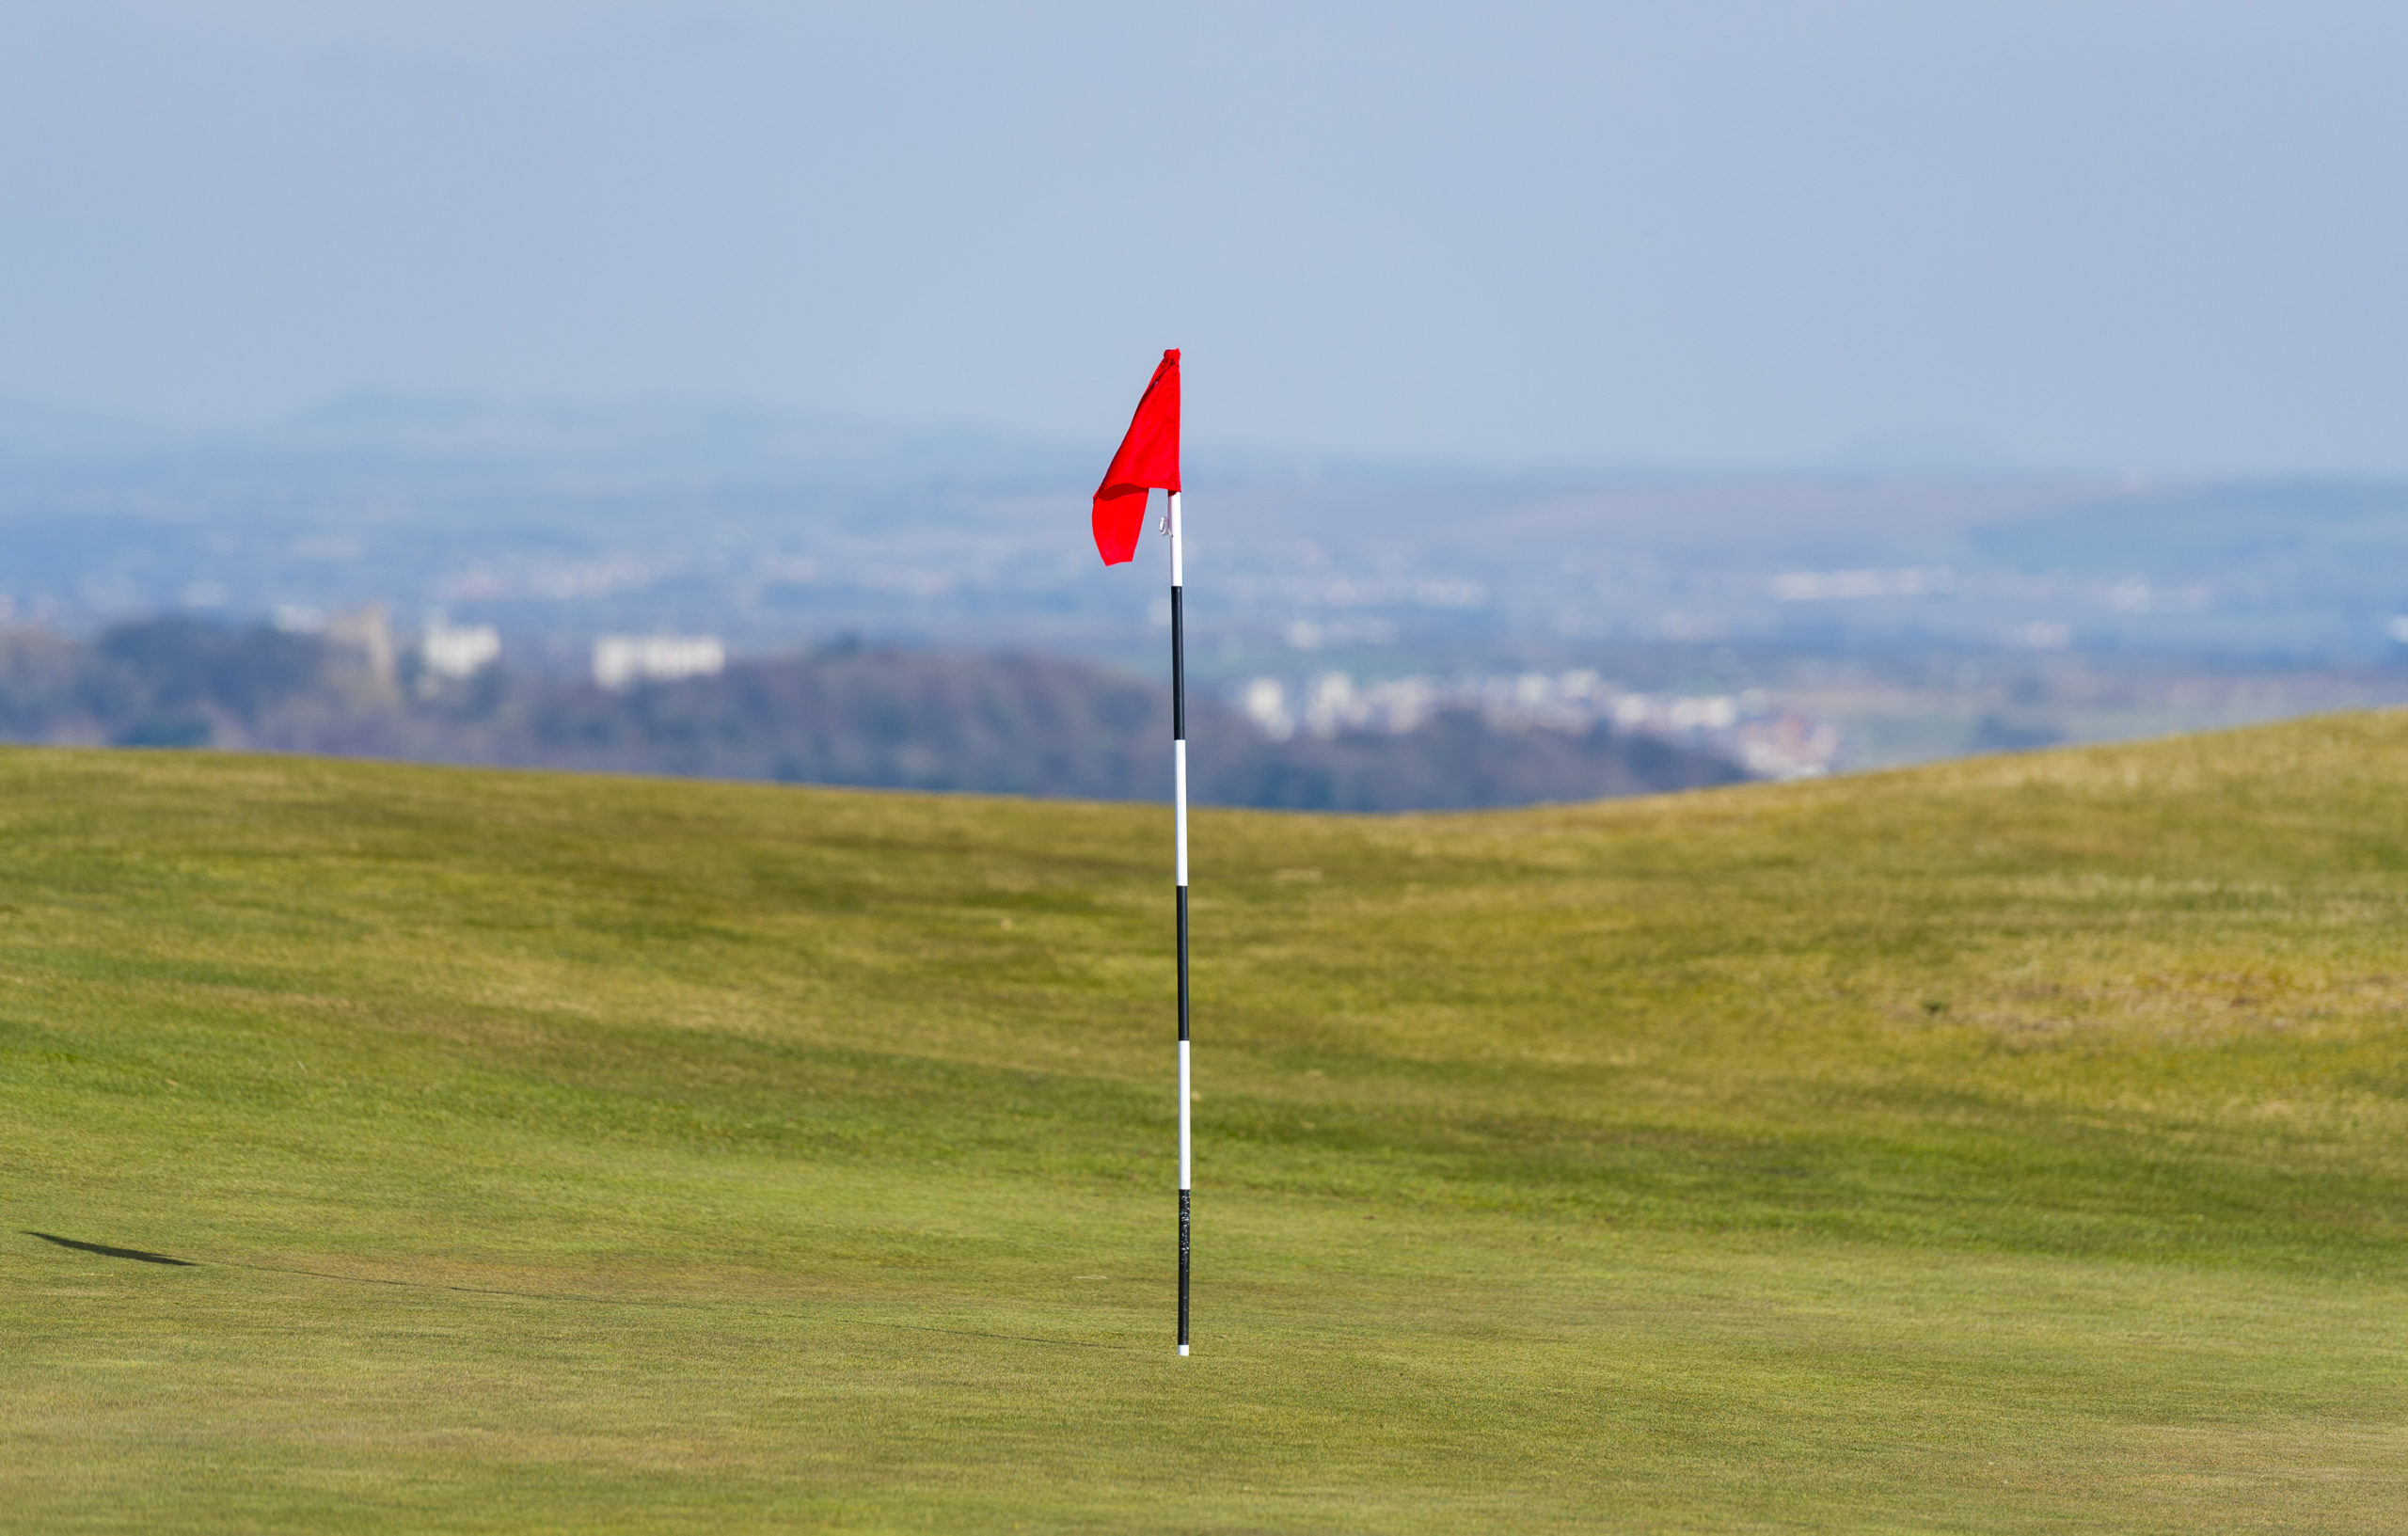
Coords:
pixel 1148 458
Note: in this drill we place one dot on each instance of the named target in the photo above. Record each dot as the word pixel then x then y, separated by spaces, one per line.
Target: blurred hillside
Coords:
pixel 774 531
pixel 845 713
pixel 1838 620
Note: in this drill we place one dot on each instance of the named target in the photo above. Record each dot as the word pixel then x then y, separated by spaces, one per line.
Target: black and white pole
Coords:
pixel 1179 822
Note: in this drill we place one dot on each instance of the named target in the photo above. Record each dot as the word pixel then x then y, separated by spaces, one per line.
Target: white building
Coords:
pixel 623 660
pixel 462 650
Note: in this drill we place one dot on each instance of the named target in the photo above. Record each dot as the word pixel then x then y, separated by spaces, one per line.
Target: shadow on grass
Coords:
pixel 105 1251
pixel 141 1256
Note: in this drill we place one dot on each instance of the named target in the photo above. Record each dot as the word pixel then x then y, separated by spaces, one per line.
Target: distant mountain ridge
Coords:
pixel 775 530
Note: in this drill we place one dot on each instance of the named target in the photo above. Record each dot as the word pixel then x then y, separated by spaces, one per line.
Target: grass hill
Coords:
pixel 2013 1145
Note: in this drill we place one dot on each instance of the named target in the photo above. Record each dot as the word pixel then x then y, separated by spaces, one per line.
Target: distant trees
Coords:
pixel 844 715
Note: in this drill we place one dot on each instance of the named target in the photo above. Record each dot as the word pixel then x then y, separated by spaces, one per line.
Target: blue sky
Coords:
pixel 1713 234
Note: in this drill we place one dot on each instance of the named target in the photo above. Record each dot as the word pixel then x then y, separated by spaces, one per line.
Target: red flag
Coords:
pixel 1149 457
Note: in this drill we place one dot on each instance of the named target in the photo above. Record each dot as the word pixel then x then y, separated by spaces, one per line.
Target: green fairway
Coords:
pixel 2015 1144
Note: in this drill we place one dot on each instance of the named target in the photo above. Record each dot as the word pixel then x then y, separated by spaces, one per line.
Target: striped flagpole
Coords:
pixel 1179 801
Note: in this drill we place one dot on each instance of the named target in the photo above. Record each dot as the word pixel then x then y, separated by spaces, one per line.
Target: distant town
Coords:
pixel 1787 627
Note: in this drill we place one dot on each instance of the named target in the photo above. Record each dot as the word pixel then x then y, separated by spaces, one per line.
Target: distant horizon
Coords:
pixel 1906 462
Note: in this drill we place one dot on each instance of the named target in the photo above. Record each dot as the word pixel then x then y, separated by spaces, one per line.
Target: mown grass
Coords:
pixel 2015 1144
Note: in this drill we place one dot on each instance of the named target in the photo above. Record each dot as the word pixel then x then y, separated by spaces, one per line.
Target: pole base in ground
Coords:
pixel 1183 1350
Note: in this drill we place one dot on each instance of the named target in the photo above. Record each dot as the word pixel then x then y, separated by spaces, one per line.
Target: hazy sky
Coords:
pixel 1704 234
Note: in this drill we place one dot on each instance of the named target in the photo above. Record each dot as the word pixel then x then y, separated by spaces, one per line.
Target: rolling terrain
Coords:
pixel 2008 1145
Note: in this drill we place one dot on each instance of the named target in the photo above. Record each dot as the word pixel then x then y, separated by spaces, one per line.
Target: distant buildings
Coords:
pixel 1771 741
pixel 624 660
pixel 1842 586
pixel 463 650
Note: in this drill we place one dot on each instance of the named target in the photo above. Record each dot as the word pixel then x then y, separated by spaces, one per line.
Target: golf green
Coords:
pixel 2014 1145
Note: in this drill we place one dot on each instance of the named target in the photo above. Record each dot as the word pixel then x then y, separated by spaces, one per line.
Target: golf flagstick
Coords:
pixel 1178 825
pixel 1149 461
